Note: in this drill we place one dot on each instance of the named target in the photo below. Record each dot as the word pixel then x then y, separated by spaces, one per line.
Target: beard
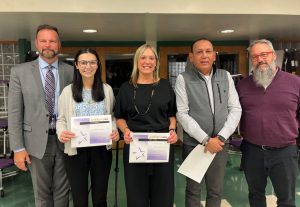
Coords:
pixel 263 73
pixel 48 53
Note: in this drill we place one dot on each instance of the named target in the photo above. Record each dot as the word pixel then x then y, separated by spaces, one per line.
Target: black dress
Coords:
pixel 147 183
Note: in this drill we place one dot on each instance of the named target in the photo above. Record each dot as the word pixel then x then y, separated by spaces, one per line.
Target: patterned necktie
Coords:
pixel 50 91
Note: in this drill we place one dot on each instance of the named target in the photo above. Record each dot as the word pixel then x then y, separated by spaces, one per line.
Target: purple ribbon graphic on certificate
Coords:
pixel 149 148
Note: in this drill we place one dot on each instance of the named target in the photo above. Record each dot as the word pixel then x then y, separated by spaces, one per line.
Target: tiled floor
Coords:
pixel 19 193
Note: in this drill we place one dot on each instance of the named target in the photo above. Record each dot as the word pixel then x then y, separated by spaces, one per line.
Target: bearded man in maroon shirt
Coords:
pixel 270 100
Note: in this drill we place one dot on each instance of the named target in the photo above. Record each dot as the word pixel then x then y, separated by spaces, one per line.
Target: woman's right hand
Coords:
pixel 66 136
pixel 127 136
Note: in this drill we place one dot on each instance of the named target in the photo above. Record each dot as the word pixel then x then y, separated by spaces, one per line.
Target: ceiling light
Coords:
pixel 227 31
pixel 89 30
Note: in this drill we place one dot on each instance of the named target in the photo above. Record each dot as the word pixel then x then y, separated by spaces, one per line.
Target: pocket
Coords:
pixel 27 127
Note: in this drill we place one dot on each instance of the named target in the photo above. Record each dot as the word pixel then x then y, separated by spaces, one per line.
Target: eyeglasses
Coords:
pixel 84 63
pixel 263 55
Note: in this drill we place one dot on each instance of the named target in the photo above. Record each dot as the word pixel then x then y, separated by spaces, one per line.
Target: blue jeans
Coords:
pixel 281 165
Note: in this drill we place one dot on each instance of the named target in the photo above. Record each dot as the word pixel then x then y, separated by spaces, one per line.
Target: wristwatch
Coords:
pixel 221 138
pixel 172 129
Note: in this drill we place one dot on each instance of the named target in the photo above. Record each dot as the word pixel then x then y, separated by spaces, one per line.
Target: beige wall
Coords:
pixel 291 7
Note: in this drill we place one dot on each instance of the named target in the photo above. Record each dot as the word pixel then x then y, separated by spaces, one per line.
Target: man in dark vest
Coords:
pixel 270 99
pixel 209 111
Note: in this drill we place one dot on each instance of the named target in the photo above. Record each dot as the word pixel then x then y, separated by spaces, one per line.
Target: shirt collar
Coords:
pixel 209 77
pixel 43 64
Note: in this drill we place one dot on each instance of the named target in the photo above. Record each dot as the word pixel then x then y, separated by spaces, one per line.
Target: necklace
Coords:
pixel 150 101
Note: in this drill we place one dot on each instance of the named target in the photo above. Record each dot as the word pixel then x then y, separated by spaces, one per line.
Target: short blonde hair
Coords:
pixel 135 71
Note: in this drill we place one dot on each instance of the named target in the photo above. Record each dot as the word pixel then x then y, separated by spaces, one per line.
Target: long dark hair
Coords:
pixel 97 88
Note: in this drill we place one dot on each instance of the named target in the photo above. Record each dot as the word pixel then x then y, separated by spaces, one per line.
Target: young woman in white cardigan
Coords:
pixel 87 96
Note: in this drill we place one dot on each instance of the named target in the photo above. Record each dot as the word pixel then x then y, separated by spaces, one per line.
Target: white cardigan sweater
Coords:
pixel 66 109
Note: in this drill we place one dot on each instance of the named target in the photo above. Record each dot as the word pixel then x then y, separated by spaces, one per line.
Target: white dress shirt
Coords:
pixel 190 126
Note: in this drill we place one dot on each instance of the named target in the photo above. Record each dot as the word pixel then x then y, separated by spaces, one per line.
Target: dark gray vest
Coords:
pixel 199 102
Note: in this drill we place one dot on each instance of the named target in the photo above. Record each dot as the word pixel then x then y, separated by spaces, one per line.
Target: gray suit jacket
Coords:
pixel 28 120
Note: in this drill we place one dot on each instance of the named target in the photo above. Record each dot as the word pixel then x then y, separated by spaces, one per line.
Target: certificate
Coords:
pixel 149 148
pixel 196 163
pixel 91 130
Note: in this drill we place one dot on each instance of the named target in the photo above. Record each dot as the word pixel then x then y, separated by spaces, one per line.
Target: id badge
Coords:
pixel 53 121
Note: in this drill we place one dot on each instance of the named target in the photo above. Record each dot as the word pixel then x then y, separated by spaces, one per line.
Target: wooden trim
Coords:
pixel 214 42
pixel 101 43
pixel 169 50
pixel 8 42
pixel 241 51
pixel 102 51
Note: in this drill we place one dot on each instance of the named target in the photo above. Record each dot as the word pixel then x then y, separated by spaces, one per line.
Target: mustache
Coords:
pixel 262 63
pixel 53 51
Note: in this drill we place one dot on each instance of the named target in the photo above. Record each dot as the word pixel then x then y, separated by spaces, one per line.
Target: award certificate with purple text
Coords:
pixel 91 130
pixel 149 148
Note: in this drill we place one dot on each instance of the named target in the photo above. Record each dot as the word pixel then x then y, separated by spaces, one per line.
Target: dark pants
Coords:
pixel 149 184
pixel 95 161
pixel 49 179
pixel 214 180
pixel 281 165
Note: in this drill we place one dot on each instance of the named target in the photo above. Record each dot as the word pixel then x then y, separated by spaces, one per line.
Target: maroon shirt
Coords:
pixel 270 117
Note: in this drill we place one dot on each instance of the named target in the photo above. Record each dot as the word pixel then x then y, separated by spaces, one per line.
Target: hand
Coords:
pixel 66 136
pixel 127 136
pixel 214 145
pixel 172 138
pixel 20 158
pixel 115 135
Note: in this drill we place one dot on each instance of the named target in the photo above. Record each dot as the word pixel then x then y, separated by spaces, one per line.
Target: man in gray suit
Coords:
pixel 31 120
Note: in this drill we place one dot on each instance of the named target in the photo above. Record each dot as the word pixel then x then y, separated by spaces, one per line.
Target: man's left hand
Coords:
pixel 214 145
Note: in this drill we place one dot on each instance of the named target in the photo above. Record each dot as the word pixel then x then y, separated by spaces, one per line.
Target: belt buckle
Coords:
pixel 264 147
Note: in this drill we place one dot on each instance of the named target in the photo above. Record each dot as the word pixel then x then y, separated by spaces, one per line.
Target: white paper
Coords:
pixel 149 148
pixel 91 130
pixel 196 163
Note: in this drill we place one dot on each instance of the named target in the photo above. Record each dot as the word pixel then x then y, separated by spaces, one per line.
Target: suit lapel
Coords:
pixel 61 72
pixel 37 78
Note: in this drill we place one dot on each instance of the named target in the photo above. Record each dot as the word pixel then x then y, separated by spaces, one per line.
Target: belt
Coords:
pixel 52 131
pixel 265 147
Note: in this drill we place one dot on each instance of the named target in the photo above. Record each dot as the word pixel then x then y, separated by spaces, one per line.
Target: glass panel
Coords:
pixel 5 77
pixel 229 62
pixel 8 48
pixel 118 69
pixel 176 65
pixel 7 69
pixel 17 58
pixel 16 48
pixel 8 59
